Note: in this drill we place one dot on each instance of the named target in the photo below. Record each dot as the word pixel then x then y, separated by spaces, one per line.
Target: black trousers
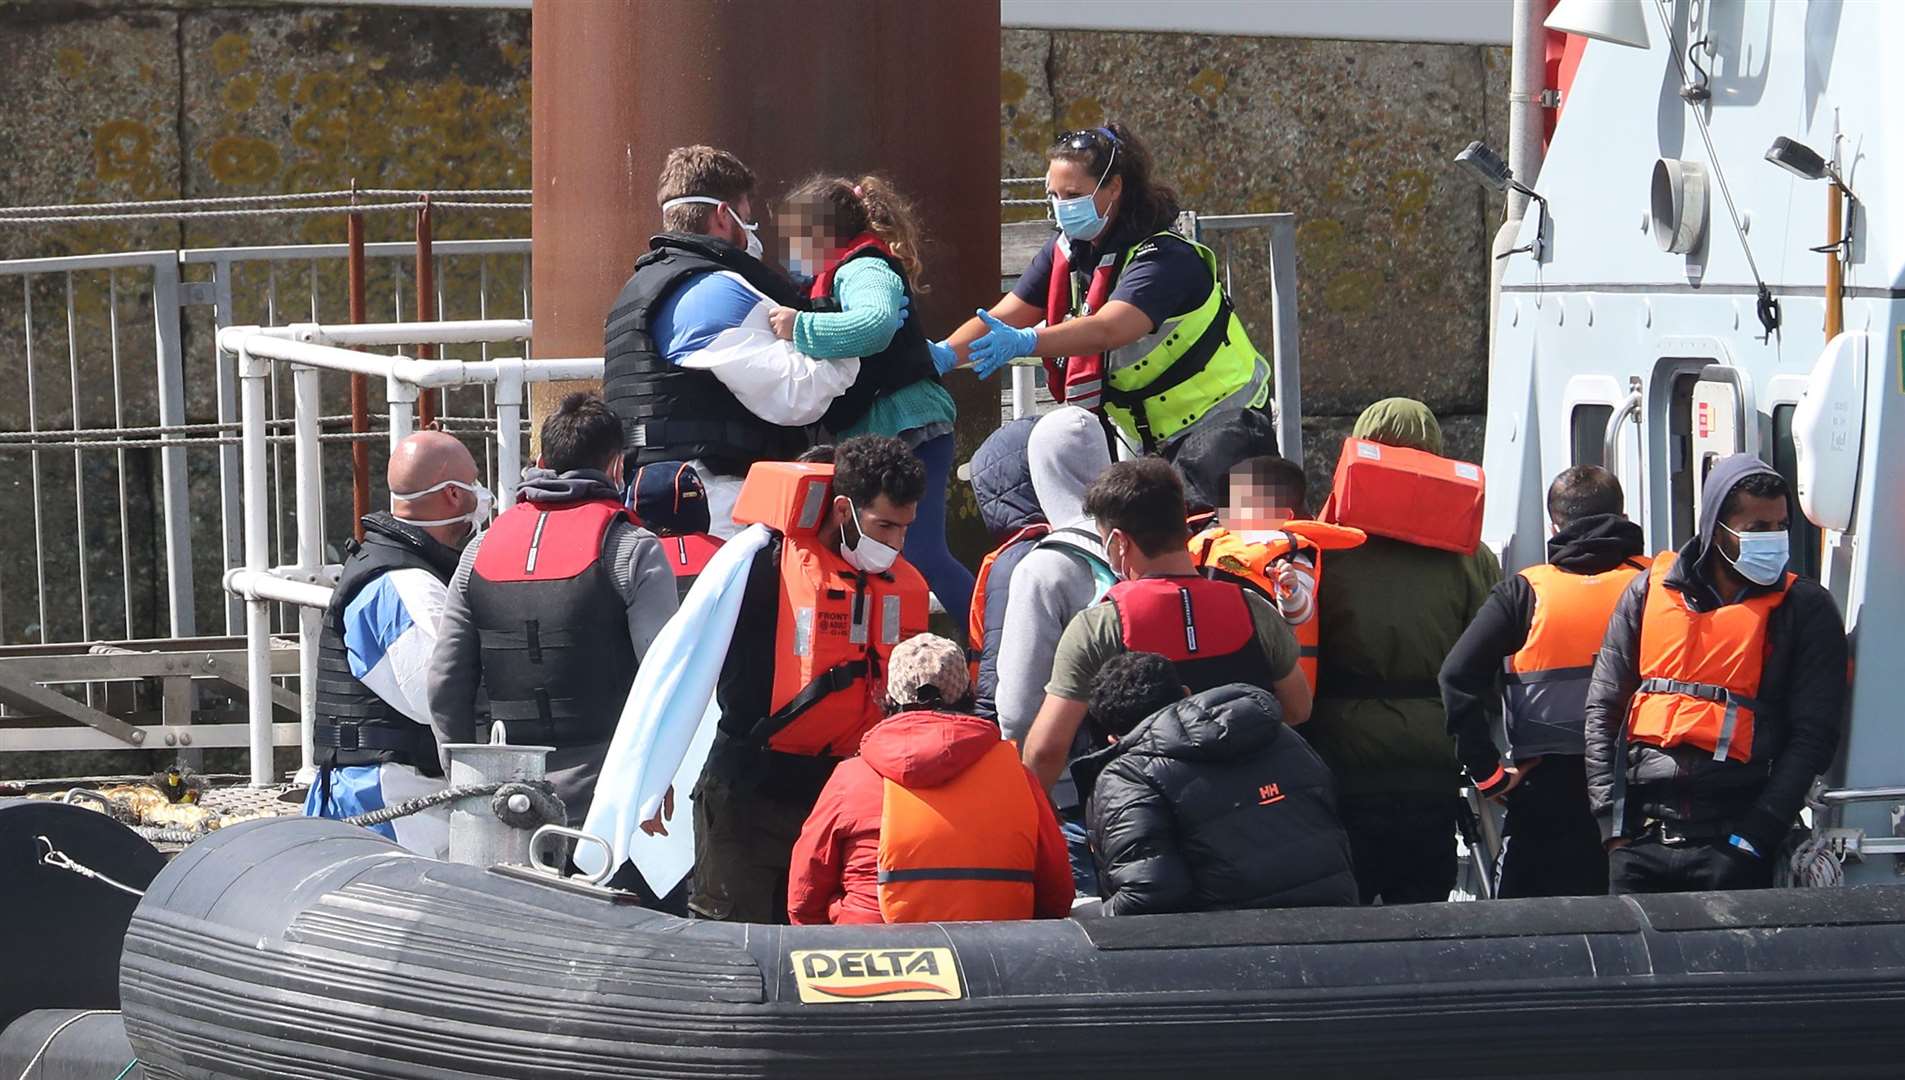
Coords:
pixel 1551 845
pixel 1404 847
pixel 1650 865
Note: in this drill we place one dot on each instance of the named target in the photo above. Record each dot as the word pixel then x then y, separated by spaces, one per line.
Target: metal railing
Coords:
pixel 127 489
pixel 307 351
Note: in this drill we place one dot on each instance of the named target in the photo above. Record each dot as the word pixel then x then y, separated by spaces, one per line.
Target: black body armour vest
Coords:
pixel 557 659
pixel 353 725
pixel 672 413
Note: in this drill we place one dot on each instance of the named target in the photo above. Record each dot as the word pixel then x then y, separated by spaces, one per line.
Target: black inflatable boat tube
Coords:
pixel 70 1044
pixel 310 949
pixel 60 933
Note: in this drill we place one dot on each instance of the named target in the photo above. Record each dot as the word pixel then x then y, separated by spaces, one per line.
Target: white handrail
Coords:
pixel 310 348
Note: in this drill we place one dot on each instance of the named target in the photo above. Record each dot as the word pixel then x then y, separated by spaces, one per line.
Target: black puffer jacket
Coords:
pixel 1214 804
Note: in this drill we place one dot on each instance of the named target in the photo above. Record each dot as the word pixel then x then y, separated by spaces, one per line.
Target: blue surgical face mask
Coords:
pixel 1078 217
pixel 801 267
pixel 1763 555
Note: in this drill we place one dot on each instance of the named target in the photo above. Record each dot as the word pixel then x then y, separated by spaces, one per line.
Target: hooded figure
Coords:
pixel 1679 807
pixel 1058 579
pixel 1001 475
pixel 1388 618
pixel 1214 804
pixel 934 791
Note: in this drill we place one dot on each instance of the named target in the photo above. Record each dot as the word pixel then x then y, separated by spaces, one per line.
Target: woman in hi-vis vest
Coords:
pixel 1136 322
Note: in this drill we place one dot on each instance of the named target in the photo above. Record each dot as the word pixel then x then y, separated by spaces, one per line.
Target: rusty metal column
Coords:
pixel 791 86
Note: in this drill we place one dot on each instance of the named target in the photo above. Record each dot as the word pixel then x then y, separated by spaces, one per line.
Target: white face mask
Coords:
pixel 865 554
pixel 485 502
pixel 754 248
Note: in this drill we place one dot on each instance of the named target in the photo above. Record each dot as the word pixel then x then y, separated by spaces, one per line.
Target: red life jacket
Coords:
pixel 557 659
pixel 1408 495
pixel 976 621
pixel 687 557
pixel 835 626
pixel 1203 627
pixel 1077 380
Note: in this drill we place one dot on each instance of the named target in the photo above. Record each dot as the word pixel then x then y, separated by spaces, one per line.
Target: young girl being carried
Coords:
pixel 859 242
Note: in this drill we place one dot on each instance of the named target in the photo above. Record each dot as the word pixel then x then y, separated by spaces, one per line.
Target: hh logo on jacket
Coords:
pixel 1269 793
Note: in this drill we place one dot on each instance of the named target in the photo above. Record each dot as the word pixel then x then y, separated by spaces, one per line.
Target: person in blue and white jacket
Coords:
pixel 375 746
pixel 692 366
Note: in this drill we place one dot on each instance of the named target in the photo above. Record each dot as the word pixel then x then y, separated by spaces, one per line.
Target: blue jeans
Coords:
pixel 926 540
pixel 1078 847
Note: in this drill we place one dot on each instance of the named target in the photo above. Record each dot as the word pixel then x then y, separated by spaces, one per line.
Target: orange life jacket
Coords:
pixel 964 851
pixel 1407 495
pixel 835 626
pixel 1547 680
pixel 1700 670
pixel 1223 555
pixel 976 619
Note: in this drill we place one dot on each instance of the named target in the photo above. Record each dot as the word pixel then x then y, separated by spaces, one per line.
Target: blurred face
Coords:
pixel 881 519
pixel 809 238
pixel 1257 505
pixel 1068 180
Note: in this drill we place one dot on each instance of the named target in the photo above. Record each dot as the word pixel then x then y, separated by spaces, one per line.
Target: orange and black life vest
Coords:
pixel 1408 495
pixel 557 657
pixel 978 623
pixel 1203 627
pixel 835 626
pixel 1224 556
pixel 1700 670
pixel 964 851
pixel 1547 680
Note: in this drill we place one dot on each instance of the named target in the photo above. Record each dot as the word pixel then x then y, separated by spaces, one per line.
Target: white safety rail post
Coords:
pixel 308 464
pixel 252 375
pixel 311 349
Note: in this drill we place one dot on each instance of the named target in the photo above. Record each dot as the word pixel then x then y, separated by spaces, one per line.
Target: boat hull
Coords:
pixel 307 948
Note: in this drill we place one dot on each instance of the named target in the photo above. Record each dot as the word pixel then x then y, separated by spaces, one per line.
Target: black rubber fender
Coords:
pixel 307 949
pixel 60 933
pixel 78 1046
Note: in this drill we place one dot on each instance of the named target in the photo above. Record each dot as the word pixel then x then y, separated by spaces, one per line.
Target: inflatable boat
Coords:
pixel 309 948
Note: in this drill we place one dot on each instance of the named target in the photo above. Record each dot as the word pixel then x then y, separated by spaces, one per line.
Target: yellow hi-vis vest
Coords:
pixel 1164 382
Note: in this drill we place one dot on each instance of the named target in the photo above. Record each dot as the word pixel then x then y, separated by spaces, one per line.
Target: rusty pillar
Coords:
pixel 360 385
pixel 426 309
pixel 791 86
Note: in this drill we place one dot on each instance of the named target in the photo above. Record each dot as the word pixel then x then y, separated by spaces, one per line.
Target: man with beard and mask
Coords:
pixel 826 599
pixel 693 367
pixel 374 743
pixel 1717 699
pixel 1534 643
pixel 552 609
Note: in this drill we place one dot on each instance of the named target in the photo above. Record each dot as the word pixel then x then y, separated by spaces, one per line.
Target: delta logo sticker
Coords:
pixel 832 976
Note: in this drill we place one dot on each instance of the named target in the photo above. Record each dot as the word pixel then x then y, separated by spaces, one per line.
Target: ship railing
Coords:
pixel 307 351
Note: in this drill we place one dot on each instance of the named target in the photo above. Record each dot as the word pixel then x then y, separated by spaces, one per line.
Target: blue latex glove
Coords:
pixel 999 345
pixel 944 358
